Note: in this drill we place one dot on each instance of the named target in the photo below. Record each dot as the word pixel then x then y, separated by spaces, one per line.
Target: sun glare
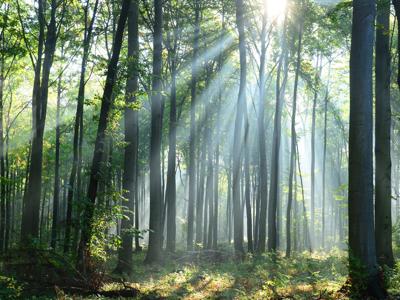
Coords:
pixel 275 9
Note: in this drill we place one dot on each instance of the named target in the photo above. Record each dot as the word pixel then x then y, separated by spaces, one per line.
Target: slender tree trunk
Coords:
pixel 78 125
pixel 313 123
pixel 86 235
pixel 276 143
pixel 362 254
pixel 247 195
pixel 383 187
pixel 171 173
pixel 30 214
pixel 192 138
pixel 155 226
pixel 238 137
pixel 292 165
pixel 261 144
pixel 2 164
pixel 56 190
pixel 130 155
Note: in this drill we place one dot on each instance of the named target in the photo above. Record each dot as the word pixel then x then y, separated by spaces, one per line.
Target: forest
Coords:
pixel 199 149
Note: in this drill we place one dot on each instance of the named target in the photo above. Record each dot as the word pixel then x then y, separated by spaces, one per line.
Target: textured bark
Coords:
pixel 362 254
pixel 155 226
pixel 129 180
pixel 383 197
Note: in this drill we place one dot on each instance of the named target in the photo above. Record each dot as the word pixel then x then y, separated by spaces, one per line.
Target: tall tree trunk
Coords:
pixel 276 144
pixel 292 165
pixel 155 226
pixel 30 213
pixel 362 254
pixel 78 125
pixel 261 144
pixel 383 115
pixel 56 190
pixel 200 193
pixel 192 137
pixel 86 235
pixel 171 173
pixel 313 123
pixel 2 164
pixel 131 128
pixel 238 137
pixel 247 195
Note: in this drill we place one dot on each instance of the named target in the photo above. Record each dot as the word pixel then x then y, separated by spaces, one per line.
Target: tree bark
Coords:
pixel 292 165
pixel 31 200
pixel 238 137
pixel 86 235
pixel 276 143
pixel 129 180
pixel 383 115
pixel 362 253
pixel 192 137
pixel 56 190
pixel 261 145
pixel 155 226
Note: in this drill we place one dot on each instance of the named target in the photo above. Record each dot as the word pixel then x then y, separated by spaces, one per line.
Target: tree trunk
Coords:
pixel 155 226
pixel 171 173
pixel 247 196
pixel 56 190
pixel 238 137
pixel 276 143
pixel 78 125
pixel 31 207
pixel 292 165
pixel 130 156
pixel 383 197
pixel 261 144
pixel 192 137
pixel 313 121
pixel 362 254
pixel 86 235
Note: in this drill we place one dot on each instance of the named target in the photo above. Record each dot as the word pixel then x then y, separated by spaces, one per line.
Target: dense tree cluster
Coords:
pixel 197 125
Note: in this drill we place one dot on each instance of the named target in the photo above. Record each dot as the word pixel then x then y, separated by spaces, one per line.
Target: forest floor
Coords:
pixel 217 275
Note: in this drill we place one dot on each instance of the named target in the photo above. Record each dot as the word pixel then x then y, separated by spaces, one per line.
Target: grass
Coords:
pixel 300 277
pixel 205 276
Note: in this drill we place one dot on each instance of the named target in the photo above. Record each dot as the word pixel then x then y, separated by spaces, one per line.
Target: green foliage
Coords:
pixel 10 288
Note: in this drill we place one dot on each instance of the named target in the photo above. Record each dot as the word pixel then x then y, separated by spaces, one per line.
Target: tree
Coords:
pixel 78 125
pixel 155 235
pixel 192 136
pixel 84 254
pixel 362 253
pixel 276 144
pixel 383 115
pixel 129 180
pixel 32 196
pixel 238 138
pixel 293 144
pixel 261 143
